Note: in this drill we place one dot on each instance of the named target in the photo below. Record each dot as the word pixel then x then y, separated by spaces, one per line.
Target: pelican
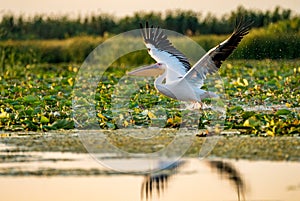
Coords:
pixel 177 79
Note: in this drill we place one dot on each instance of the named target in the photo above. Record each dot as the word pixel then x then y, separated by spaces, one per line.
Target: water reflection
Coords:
pixel 156 183
pixel 79 177
pixel 229 172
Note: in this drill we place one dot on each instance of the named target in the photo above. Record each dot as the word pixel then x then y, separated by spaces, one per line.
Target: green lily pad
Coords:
pixel 236 109
pixel 30 99
pixel 44 120
pixel 283 112
pixel 247 114
pixel 63 124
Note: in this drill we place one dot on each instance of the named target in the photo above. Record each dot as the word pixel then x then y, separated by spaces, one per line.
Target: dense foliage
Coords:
pixel 40 58
pixel 185 22
pixel 276 41
pixel 262 99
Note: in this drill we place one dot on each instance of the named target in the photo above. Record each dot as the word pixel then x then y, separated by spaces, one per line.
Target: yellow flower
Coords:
pixel 271 133
pixel 245 82
pixel 246 123
pixel 101 116
pixel 151 115
pixel 3 114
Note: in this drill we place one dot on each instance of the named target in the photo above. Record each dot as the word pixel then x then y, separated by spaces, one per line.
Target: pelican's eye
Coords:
pixel 148 49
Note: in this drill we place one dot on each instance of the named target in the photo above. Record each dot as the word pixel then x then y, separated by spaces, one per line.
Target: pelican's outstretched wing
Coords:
pixel 156 38
pixel 212 60
pixel 229 172
pixel 157 182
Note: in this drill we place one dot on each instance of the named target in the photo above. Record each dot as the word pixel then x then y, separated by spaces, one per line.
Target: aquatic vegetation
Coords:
pixel 262 98
pixel 36 97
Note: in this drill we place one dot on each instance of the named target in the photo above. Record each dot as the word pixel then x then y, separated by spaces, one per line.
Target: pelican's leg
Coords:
pixel 195 105
pixel 198 105
pixel 206 106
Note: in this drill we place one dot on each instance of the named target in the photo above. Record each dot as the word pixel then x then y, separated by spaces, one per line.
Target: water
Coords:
pixel 70 176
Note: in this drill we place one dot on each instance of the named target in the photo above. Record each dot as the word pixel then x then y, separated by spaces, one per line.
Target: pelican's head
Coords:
pixel 152 70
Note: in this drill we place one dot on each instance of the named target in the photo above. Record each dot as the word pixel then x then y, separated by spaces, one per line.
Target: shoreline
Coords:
pixel 228 147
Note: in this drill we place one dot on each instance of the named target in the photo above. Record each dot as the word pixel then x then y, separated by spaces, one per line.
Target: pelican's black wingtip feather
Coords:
pixel 143 31
pixel 222 51
pixel 242 27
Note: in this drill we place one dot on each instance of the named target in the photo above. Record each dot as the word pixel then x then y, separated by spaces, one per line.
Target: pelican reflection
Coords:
pixel 227 171
pixel 157 183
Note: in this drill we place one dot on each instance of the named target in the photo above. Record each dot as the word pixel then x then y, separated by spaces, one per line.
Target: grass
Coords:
pixel 38 97
pixel 269 42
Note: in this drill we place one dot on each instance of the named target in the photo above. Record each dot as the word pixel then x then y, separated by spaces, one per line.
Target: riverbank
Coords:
pixel 231 147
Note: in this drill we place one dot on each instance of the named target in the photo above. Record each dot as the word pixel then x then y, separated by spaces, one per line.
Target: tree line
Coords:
pixel 183 21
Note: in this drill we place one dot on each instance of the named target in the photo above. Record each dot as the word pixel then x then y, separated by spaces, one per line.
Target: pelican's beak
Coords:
pixel 152 70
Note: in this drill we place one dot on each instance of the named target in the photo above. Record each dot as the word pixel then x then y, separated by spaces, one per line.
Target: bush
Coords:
pixel 277 41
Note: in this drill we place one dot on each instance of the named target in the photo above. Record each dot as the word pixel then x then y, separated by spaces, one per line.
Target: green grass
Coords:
pixel 273 42
pixel 39 97
pixel 14 52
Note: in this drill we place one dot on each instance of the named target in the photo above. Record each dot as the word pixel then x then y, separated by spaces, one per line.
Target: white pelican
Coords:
pixel 176 78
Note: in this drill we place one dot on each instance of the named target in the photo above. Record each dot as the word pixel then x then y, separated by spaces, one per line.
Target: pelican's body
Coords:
pixel 177 79
pixel 181 89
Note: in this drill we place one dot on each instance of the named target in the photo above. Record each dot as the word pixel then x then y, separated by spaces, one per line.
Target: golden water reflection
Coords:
pixel 189 179
pixel 156 183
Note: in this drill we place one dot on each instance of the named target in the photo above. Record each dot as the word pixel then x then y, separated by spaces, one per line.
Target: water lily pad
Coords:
pixel 44 120
pixel 247 114
pixel 62 124
pixel 235 109
pixel 30 99
pixel 283 112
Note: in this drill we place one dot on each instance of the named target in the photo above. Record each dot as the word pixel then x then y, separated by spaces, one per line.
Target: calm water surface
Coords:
pixel 52 176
